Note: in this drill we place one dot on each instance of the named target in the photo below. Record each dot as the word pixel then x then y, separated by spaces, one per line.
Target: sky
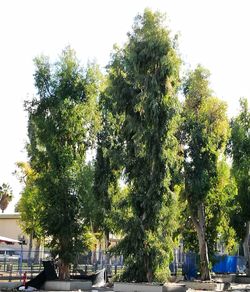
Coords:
pixel 213 33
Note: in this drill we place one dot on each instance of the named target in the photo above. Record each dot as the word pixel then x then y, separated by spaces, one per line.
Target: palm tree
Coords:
pixel 5 196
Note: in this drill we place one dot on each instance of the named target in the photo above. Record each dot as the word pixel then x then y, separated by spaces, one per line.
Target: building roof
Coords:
pixel 9 216
pixel 8 240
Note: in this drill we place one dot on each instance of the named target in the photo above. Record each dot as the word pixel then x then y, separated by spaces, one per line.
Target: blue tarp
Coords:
pixel 225 264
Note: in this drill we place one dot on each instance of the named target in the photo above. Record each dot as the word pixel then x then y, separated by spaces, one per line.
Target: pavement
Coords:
pixel 239 287
pixel 234 287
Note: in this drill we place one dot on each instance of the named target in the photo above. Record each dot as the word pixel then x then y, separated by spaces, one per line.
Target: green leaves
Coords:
pixel 29 204
pixel 63 122
pixel 132 119
pixel 143 80
pixel 205 132
pixel 240 151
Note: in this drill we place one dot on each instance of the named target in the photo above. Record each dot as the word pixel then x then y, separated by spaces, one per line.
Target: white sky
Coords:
pixel 214 33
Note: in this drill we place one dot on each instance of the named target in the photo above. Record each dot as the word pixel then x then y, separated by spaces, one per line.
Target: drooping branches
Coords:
pixel 143 79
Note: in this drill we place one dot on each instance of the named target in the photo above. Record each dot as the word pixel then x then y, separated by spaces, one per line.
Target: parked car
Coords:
pixel 9 254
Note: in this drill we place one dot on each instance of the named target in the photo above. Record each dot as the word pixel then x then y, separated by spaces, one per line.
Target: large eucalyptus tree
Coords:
pixel 143 78
pixel 63 121
pixel 205 134
pixel 240 150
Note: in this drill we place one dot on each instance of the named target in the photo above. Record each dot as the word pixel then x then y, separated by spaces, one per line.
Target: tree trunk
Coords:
pixel 199 224
pixel 100 252
pixel 204 262
pixel 149 275
pixel 94 256
pixel 107 244
pixel 37 250
pixel 246 248
pixel 148 269
pixel 64 270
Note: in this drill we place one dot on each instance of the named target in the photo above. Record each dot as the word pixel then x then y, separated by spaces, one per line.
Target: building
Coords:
pixel 9 227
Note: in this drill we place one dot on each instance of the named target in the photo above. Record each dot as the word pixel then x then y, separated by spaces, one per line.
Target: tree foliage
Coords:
pixel 142 85
pixel 240 150
pixel 133 185
pixel 63 121
pixel 29 204
pixel 219 204
pixel 205 134
pixel 107 190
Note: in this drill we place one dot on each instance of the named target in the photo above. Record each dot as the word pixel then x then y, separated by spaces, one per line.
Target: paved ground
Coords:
pixel 93 290
pixel 234 287
pixel 102 289
pixel 240 287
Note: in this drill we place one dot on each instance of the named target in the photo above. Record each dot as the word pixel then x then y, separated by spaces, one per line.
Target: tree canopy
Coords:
pixel 143 81
pixel 29 203
pixel 148 149
pixel 205 134
pixel 63 121
pixel 240 150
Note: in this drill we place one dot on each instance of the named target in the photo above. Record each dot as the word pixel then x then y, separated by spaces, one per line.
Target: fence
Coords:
pixel 13 267
pixel 187 264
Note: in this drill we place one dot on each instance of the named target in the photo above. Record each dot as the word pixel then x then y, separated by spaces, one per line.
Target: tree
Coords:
pixel 29 205
pixel 63 121
pixel 240 151
pixel 107 190
pixel 219 204
pixel 205 134
pixel 5 196
pixel 141 93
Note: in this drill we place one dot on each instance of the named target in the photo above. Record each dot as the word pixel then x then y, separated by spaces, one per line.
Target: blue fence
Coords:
pixel 224 264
